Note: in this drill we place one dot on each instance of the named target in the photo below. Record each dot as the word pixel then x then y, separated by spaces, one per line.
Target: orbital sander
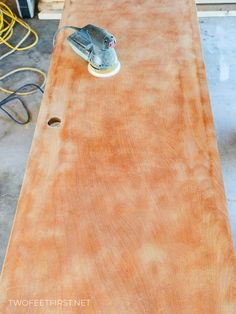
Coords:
pixel 97 47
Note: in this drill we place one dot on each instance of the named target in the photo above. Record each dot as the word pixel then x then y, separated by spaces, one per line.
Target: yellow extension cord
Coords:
pixel 7 22
pixel 8 91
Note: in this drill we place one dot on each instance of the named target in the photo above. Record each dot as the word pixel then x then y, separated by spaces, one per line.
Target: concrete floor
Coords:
pixel 219 46
pixel 15 140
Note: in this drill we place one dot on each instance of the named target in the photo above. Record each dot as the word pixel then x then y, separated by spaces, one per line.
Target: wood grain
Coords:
pixel 54 6
pixel 123 203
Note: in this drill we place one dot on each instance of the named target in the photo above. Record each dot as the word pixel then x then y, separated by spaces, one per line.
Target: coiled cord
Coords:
pixel 9 91
pixel 14 96
pixel 7 22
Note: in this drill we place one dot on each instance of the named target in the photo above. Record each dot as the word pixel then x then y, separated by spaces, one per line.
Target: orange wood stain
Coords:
pixel 123 203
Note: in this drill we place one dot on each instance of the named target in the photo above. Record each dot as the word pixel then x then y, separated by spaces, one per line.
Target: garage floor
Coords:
pixel 219 45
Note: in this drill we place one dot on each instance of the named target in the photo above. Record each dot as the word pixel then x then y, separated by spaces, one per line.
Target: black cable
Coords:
pixel 14 96
pixel 62 28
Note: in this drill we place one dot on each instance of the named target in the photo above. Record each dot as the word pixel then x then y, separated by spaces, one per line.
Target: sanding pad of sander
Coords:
pixel 113 70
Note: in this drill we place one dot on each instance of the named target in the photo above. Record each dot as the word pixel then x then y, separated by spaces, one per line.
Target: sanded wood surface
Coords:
pixel 123 203
pixel 52 9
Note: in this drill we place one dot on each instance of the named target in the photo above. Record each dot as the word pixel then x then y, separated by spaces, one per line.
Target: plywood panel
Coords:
pixel 54 6
pixel 214 1
pixel 123 203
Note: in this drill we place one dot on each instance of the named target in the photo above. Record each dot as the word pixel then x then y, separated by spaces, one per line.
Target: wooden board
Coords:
pixel 214 1
pixel 217 10
pixel 212 13
pixel 122 205
pixel 54 6
pixel 50 15
pixel 52 9
pixel 216 7
pixel 203 11
pixel 56 15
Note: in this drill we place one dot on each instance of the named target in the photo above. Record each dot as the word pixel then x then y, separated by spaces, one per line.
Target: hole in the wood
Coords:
pixel 54 122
